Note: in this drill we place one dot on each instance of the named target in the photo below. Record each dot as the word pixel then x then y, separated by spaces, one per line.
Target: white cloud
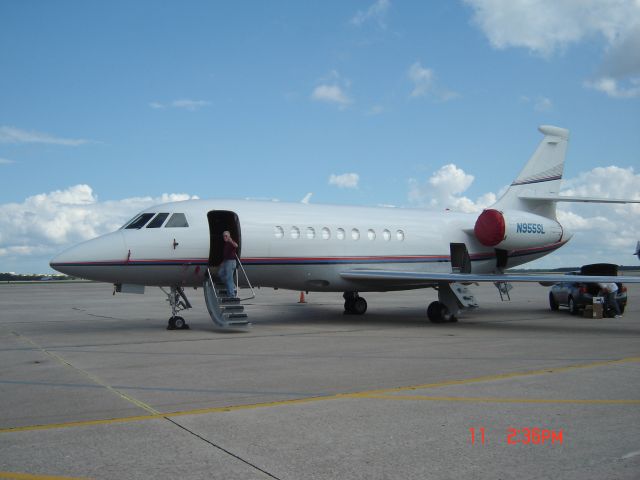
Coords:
pixel 183 103
pixel 375 110
pixel 613 88
pixel 9 134
pixel 422 79
pixel 540 103
pixel 6 161
pixel 442 190
pixel 46 223
pixel 376 12
pixel 346 180
pixel 424 84
pixel 543 104
pixel 330 94
pixel 602 232
pixel 188 104
pixel 547 26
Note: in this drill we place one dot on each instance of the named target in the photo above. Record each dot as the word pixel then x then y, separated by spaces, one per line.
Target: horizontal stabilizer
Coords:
pixel 570 198
pixel 397 278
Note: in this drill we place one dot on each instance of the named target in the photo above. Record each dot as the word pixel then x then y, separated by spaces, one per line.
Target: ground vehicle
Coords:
pixel 577 295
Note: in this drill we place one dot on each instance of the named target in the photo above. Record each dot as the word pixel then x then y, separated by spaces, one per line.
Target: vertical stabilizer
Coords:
pixel 541 175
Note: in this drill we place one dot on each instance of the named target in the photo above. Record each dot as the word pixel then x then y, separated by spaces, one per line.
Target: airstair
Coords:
pixel 503 289
pixel 226 312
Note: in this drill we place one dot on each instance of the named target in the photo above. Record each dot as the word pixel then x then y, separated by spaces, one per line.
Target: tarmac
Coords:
pixel 93 385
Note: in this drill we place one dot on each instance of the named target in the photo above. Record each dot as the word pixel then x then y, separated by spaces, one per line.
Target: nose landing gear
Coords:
pixel 178 301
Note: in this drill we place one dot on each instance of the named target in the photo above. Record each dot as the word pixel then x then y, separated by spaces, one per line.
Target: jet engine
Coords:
pixel 512 229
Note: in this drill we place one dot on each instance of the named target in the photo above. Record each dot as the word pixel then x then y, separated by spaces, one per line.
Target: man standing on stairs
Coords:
pixel 228 265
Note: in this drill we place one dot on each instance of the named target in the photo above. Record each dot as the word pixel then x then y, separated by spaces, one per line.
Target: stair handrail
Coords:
pixel 213 285
pixel 246 277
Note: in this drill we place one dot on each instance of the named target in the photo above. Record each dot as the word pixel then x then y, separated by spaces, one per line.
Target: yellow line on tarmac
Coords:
pixel 501 400
pixel 383 393
pixel 27 476
pixel 501 376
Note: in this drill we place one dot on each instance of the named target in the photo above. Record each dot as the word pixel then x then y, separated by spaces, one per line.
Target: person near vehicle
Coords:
pixel 228 265
pixel 609 293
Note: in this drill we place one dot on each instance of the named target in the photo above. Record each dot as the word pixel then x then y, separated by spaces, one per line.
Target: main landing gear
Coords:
pixel 354 304
pixel 439 313
pixel 446 308
pixel 178 301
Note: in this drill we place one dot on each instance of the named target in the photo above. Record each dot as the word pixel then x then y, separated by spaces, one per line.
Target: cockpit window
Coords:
pixel 140 220
pixel 158 220
pixel 177 220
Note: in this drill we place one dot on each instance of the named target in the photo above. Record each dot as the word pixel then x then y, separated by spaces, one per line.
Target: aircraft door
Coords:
pixel 219 221
pixel 460 259
pixel 502 259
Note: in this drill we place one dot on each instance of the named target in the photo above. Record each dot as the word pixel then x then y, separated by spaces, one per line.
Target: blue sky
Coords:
pixel 106 106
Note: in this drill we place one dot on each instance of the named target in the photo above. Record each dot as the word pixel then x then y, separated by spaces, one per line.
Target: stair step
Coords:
pixel 230 300
pixel 226 312
pixel 239 323
pixel 232 308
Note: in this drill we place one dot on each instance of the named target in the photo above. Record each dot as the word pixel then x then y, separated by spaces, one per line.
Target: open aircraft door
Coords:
pixel 460 259
pixel 219 221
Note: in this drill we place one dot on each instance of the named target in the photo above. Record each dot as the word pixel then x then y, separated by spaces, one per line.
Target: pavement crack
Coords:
pixel 222 449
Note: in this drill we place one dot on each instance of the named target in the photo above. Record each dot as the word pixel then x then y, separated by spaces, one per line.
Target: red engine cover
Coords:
pixel 490 228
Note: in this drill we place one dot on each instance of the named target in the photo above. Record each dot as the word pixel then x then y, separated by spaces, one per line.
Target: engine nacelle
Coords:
pixel 511 229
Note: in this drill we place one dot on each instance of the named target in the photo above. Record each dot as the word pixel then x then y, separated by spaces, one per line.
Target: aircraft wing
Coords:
pixel 413 279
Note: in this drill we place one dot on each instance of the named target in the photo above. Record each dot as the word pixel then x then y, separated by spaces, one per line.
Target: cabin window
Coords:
pixel 386 234
pixel 177 220
pixel 295 233
pixel 340 234
pixel 311 233
pixel 400 235
pixel 326 233
pixel 371 234
pixel 158 220
pixel 355 234
pixel 140 220
pixel 278 232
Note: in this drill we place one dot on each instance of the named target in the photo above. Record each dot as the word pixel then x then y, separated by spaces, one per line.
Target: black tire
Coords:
pixel 438 312
pixel 179 323
pixel 552 302
pixel 359 306
pixel 171 325
pixel 348 307
pixel 573 308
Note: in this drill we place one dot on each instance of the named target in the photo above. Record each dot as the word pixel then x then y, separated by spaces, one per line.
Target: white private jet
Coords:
pixel 305 247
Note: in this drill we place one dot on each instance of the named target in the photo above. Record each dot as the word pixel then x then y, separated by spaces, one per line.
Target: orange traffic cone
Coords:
pixel 302 300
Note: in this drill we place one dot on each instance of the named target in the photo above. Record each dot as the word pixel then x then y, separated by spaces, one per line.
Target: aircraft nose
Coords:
pixel 84 259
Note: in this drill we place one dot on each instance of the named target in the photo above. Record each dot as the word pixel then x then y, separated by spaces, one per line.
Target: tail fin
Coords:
pixel 541 175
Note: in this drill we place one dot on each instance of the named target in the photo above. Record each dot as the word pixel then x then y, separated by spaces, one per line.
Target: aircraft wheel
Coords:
pixel 438 312
pixel 359 306
pixel 348 306
pixel 177 323
pixel 552 302
pixel 573 308
pixel 180 323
